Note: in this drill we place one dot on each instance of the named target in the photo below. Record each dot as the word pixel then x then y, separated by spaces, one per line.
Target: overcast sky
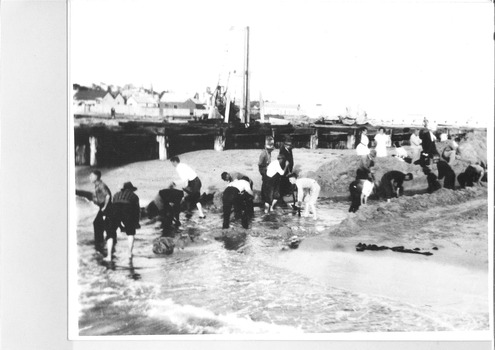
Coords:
pixel 389 58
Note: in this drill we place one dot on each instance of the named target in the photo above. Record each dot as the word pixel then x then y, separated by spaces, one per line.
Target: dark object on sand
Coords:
pixel 163 246
pixel 233 239
pixel 296 209
pixel 361 247
pixel 294 242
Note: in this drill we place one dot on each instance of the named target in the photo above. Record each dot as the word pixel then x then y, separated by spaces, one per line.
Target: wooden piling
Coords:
pixel 219 143
pixel 162 147
pixel 93 144
pixel 351 140
pixel 313 140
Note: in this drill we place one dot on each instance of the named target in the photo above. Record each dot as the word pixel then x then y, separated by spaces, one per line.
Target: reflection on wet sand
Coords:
pixel 242 281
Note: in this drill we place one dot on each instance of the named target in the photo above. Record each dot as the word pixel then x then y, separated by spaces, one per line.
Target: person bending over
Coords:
pixel 193 187
pixel 125 214
pixel 445 172
pixel 234 175
pixel 392 183
pixel 307 192
pixel 433 184
pixel 238 195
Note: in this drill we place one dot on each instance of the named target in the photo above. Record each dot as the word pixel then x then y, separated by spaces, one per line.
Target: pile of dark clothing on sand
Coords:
pixel 361 247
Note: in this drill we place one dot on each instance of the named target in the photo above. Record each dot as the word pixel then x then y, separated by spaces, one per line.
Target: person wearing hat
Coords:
pixel 266 156
pixel 125 214
pixel 286 151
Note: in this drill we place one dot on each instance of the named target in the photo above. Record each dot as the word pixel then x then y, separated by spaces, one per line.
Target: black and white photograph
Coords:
pixel 280 170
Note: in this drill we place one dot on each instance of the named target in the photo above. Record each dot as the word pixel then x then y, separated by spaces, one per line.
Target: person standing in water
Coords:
pixel 307 192
pixel 125 214
pixel 266 156
pixel 271 185
pixel 286 151
pixel 102 198
pixel 193 187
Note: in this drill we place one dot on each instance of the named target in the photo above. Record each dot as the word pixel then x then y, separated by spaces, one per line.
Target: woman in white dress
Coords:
pixel 362 144
pixel 381 143
pixel 415 144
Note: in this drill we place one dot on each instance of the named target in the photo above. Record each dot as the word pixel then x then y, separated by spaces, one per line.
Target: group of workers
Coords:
pixel 424 154
pixel 278 181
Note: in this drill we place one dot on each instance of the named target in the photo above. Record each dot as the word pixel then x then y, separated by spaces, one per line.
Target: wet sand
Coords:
pixel 453 280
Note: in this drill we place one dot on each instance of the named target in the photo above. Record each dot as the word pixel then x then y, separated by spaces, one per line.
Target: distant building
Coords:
pixel 113 100
pixel 180 106
pixel 142 101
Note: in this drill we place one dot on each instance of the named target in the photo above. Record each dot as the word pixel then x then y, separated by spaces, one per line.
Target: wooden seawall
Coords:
pixel 131 141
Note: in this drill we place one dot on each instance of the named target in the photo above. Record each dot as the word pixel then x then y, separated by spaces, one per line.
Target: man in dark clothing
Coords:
pixel 125 214
pixel 472 175
pixel 445 171
pixel 286 151
pixel 428 142
pixel 167 206
pixel 392 182
pixel 102 197
pixel 239 195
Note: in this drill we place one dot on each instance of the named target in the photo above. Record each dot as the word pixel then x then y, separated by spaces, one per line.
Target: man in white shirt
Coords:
pixel 234 175
pixel 270 190
pixel 307 192
pixel 192 186
pixel 239 195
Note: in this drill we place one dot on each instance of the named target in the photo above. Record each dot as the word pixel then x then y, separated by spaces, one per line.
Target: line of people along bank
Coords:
pixel 279 180
pixel 423 153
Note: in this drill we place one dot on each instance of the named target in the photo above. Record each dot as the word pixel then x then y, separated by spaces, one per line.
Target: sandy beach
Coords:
pixel 450 286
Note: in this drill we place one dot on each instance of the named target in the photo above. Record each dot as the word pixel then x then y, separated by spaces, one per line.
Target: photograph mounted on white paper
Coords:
pixel 281 170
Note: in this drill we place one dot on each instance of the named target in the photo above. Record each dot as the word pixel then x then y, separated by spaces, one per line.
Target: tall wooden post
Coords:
pixel 313 140
pixel 162 147
pixel 93 144
pixel 219 143
pixel 351 139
